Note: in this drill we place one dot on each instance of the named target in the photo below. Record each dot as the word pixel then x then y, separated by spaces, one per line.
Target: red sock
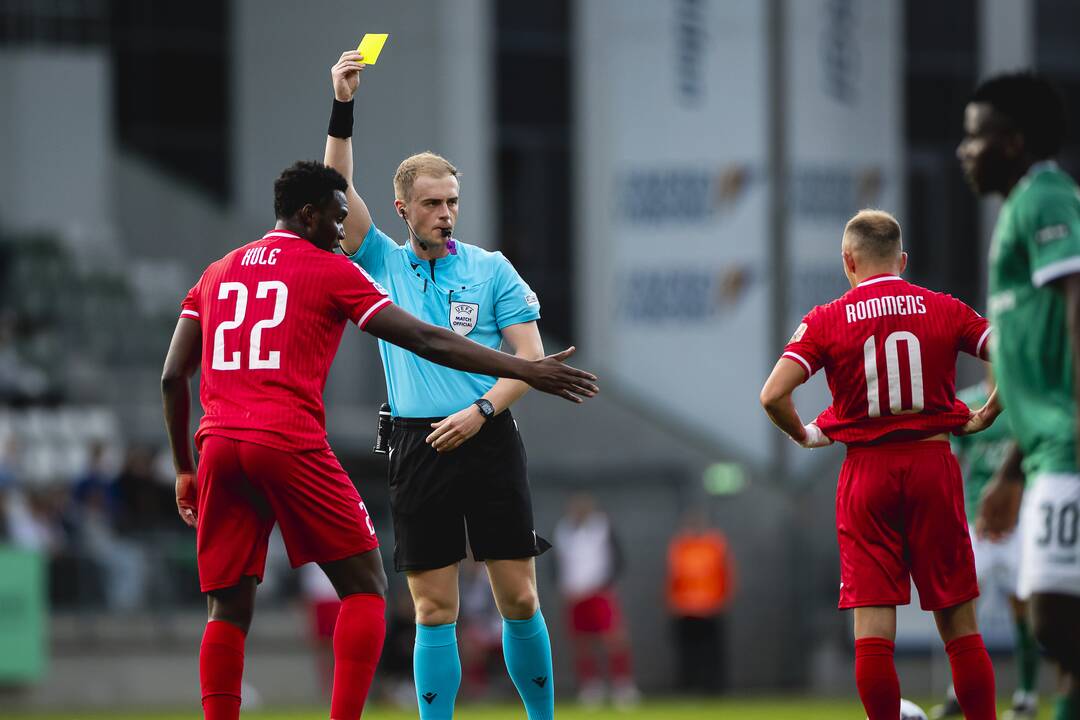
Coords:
pixel 973 677
pixel 621 666
pixel 358 641
pixel 875 676
pixel 221 665
pixel 585 666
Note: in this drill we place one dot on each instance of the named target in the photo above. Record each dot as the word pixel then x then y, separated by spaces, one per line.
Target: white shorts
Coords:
pixel 1050 536
pixel 997 563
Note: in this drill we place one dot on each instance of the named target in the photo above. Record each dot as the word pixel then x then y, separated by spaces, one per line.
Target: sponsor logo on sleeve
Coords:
pixel 370 279
pixel 531 299
pixel 1051 233
pixel 798 334
pixel 1002 302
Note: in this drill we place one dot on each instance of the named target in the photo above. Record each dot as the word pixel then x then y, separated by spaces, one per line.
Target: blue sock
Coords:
pixel 436 670
pixel 527 650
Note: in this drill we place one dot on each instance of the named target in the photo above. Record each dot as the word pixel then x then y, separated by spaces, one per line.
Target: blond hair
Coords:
pixel 874 234
pixel 425 163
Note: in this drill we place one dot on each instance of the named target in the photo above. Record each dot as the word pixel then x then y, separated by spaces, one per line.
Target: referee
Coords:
pixel 457 462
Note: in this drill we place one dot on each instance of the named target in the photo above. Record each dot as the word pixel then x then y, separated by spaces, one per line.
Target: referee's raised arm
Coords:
pixel 338 155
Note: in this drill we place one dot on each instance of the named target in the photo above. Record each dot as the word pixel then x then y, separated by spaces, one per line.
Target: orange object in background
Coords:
pixel 700 573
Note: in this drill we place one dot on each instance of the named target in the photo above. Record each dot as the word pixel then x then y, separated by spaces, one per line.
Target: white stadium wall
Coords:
pixel 56 141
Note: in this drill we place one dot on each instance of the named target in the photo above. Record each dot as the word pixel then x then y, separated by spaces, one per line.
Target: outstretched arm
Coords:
pixel 339 155
pixel 451 432
pixel 180 365
pixel 446 347
pixel 776 399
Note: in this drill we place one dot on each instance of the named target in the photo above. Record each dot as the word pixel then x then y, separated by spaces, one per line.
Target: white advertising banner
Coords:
pixel 672 267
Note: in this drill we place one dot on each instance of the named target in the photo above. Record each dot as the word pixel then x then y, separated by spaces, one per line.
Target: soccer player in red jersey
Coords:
pixel 264 323
pixel 889 351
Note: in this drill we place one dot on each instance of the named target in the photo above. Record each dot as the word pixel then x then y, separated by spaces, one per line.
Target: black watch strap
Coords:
pixel 486 408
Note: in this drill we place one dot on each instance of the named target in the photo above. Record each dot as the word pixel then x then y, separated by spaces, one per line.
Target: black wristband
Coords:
pixel 341 120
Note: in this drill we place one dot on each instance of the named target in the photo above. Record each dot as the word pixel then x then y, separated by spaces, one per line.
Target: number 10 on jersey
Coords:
pixel 893 380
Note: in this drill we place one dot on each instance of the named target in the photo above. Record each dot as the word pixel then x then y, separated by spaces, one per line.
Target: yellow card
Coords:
pixel 371 45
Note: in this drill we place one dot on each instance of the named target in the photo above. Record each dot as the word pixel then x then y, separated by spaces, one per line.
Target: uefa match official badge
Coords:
pixel 463 317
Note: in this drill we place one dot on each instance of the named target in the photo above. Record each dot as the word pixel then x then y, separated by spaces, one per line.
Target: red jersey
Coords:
pixel 272 315
pixel 889 351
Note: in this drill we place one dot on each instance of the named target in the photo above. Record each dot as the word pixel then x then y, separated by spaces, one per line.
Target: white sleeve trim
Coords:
pixel 1055 270
pixel 370 311
pixel 801 360
pixel 982 342
pixel 189 313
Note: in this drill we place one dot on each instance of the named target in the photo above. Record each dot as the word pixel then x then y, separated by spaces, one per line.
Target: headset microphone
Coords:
pixel 423 245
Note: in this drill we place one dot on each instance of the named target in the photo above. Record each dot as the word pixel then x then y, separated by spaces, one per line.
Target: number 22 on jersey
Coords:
pixel 893 380
pixel 256 360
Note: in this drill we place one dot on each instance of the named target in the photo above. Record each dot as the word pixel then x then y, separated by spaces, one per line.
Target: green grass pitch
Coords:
pixel 743 709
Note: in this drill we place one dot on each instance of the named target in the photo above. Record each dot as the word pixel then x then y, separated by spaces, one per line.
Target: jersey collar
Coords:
pixel 281 234
pixel 873 279
pixel 1040 167
pixel 1034 171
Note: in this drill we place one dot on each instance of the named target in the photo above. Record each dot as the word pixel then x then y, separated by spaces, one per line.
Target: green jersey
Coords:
pixel 981 454
pixel 1036 241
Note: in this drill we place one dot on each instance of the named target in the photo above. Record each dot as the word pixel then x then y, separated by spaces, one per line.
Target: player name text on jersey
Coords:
pixel 261 256
pixel 885 305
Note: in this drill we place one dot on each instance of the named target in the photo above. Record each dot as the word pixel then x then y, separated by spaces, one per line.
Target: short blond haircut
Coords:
pixel 874 234
pixel 412 167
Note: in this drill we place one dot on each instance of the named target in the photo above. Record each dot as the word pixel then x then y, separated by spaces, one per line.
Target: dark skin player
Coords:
pixel 362 573
pixel 995 155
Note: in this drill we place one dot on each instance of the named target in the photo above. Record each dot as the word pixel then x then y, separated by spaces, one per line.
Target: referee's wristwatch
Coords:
pixel 486 408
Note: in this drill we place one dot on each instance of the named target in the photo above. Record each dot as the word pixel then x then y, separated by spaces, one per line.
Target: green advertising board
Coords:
pixel 22 616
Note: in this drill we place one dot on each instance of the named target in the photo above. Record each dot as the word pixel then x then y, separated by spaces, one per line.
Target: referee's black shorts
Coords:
pixel 481 488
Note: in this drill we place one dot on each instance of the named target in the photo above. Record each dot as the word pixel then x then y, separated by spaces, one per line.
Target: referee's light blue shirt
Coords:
pixel 474 292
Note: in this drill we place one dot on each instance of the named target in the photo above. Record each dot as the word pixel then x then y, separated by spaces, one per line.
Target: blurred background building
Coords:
pixel 671 177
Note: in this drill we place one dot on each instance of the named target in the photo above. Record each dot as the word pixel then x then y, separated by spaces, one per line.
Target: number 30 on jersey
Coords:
pixel 256 361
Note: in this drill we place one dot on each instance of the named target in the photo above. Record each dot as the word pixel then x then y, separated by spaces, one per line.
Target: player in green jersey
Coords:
pixel 997 561
pixel 1014 126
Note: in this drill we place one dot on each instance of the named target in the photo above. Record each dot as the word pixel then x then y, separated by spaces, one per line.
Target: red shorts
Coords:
pixel 900 512
pixel 597 613
pixel 244 488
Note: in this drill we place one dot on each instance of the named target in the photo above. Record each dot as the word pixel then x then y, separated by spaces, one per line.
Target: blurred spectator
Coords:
pixel 7 488
pixel 28 519
pixel 122 562
pixel 479 631
pixel 700 586
pixel 95 484
pixel 588 561
pixel 144 502
pixel 322 604
pixel 32 523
